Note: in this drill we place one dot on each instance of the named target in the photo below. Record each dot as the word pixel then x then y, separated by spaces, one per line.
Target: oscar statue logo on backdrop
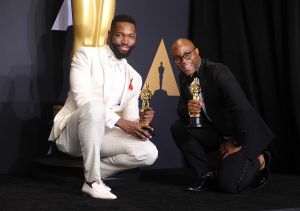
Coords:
pixel 163 85
pixel 161 77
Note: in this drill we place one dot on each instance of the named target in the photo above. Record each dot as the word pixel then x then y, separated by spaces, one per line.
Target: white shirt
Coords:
pixel 203 106
pixel 117 75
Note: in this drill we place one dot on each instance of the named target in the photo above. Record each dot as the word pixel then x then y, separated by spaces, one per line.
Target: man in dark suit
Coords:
pixel 229 124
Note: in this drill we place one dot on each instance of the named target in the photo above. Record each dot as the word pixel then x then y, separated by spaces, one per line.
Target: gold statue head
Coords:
pixel 195 89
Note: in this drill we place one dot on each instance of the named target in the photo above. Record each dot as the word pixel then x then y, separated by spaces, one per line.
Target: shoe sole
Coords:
pixel 90 196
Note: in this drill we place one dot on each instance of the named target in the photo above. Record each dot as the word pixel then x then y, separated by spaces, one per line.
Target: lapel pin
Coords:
pixel 130 85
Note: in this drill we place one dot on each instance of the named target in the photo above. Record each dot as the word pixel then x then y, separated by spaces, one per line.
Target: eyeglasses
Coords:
pixel 186 55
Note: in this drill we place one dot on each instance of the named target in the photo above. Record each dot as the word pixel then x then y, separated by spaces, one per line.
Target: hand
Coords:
pixel 134 128
pixel 227 148
pixel 147 115
pixel 194 107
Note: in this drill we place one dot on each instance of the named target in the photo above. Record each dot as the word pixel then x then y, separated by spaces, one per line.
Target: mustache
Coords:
pixel 129 46
pixel 118 51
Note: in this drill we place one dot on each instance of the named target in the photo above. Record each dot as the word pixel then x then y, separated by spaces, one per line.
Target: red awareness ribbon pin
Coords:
pixel 130 85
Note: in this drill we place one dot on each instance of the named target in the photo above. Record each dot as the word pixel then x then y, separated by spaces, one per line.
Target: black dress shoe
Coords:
pixel 201 184
pixel 264 175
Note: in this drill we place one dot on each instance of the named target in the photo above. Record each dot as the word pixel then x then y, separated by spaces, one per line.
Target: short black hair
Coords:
pixel 122 18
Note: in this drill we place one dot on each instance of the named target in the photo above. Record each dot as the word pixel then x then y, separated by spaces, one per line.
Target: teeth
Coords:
pixel 187 66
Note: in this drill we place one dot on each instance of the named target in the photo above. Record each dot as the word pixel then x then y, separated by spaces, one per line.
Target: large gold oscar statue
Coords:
pixel 91 21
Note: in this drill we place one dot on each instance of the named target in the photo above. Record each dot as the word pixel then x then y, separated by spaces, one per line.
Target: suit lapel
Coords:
pixel 127 82
pixel 202 78
pixel 105 66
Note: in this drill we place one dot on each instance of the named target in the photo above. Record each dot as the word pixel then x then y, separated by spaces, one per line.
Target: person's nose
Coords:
pixel 184 60
pixel 124 40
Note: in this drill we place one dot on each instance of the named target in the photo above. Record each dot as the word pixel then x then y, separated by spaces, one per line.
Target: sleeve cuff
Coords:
pixel 112 120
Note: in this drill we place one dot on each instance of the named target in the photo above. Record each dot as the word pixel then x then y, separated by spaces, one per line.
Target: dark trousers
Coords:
pixel 234 173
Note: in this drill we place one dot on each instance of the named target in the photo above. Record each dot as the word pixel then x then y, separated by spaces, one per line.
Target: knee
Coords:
pixel 151 156
pixel 147 157
pixel 93 111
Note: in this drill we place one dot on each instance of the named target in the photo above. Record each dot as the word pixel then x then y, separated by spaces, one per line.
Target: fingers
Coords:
pixel 143 132
pixel 194 106
pixel 149 109
pixel 225 155
pixel 147 114
pixel 226 151
pixel 223 151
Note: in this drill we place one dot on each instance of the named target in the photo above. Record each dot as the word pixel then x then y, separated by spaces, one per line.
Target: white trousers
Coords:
pixel 105 151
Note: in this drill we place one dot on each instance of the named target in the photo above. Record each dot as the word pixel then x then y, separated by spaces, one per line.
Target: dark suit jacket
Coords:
pixel 227 106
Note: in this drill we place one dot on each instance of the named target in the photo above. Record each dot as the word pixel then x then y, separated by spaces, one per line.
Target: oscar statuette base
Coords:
pixel 194 122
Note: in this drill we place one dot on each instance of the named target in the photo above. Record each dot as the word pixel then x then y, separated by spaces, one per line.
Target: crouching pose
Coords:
pixel 229 124
pixel 100 118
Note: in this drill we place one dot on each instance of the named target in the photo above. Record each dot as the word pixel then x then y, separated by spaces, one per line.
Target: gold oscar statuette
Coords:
pixel 195 89
pixel 146 96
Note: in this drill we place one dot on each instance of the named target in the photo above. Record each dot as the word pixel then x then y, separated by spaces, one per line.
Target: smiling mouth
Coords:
pixel 187 67
pixel 124 48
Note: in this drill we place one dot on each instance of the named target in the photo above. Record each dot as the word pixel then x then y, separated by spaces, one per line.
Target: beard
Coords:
pixel 119 54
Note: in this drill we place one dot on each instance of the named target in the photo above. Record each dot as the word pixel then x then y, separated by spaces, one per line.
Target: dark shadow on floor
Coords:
pixel 156 189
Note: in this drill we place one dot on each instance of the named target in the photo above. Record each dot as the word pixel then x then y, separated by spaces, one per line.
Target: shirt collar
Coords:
pixel 112 58
pixel 200 69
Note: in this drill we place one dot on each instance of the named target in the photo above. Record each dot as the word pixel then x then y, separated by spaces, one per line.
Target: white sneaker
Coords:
pixel 99 191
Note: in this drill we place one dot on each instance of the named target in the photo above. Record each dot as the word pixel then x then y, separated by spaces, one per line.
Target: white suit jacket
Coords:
pixel 89 81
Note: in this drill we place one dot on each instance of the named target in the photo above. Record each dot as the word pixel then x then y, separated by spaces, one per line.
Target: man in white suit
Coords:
pixel 100 120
